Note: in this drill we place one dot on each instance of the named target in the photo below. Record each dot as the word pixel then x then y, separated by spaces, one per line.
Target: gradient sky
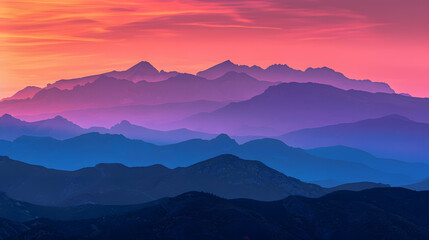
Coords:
pixel 42 41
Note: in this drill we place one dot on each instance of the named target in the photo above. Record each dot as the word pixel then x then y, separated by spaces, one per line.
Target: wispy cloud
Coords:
pixel 106 32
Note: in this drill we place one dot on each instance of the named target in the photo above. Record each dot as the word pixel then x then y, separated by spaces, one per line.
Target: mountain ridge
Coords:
pixel 225 175
pixel 284 73
pixel 292 106
pixel 391 136
pixel 96 148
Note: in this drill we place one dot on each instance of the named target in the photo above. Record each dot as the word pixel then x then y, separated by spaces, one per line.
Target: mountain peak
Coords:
pixel 145 67
pixel 7 118
pixel 227 62
pixel 224 140
pixel 222 137
pixel 125 123
pixel 224 65
pixel 278 67
pixel 58 117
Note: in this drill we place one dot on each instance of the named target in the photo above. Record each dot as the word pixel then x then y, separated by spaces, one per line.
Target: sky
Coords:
pixel 42 41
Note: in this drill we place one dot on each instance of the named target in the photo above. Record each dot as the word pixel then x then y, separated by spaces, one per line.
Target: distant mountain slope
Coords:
pixel 155 136
pixel 110 92
pixel 143 71
pixel 225 175
pixel 392 136
pixel 145 115
pixel 419 186
pixel 19 211
pixel 94 148
pixel 58 127
pixel 284 73
pixel 359 186
pixel 419 170
pixel 293 106
pixel 383 213
pixel 27 92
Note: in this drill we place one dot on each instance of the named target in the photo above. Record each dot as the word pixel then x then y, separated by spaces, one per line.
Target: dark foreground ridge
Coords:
pixel 115 184
pixel 380 213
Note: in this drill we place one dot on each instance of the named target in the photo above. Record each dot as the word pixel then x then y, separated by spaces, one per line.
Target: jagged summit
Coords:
pixel 9 119
pixel 60 118
pixel 7 116
pixel 145 67
pixel 223 138
pixel 125 123
pixel 226 63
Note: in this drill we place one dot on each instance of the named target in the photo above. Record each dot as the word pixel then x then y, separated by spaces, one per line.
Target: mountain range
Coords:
pixel 94 148
pixel 58 127
pixel 25 93
pixel 143 84
pixel 284 73
pixel 380 213
pixel 293 106
pixel 19 211
pixel 154 116
pixel 344 153
pixel 142 71
pixel 111 92
pixel 115 184
pixel 391 136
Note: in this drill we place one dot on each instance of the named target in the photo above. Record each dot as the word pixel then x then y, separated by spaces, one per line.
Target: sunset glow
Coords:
pixel 42 41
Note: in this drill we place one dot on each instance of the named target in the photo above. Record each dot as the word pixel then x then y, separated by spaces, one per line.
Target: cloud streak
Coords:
pixel 300 32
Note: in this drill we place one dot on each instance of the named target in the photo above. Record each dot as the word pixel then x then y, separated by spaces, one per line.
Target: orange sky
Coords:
pixel 42 41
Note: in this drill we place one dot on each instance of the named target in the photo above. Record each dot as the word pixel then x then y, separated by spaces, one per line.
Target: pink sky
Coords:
pixel 42 41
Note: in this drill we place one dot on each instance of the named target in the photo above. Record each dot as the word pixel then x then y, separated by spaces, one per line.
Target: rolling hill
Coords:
pixel 116 184
pixel 381 213
pixel 391 136
pixel 90 149
pixel 293 106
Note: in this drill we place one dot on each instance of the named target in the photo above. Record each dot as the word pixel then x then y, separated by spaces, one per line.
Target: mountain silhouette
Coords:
pixel 284 73
pixel 344 153
pixel 419 186
pixel 155 136
pixel 27 92
pixel 392 136
pixel 292 106
pixel 94 148
pixel 390 213
pixel 142 71
pixel 106 184
pixel 19 211
pixel 61 128
pixel 57 127
pixel 145 115
pixel 110 92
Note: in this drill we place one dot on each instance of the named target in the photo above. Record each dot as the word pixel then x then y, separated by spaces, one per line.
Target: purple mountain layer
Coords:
pixel 27 92
pixel 284 73
pixel 60 128
pixel 292 106
pixel 143 71
pixel 111 92
pixel 152 116
pixel 393 136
